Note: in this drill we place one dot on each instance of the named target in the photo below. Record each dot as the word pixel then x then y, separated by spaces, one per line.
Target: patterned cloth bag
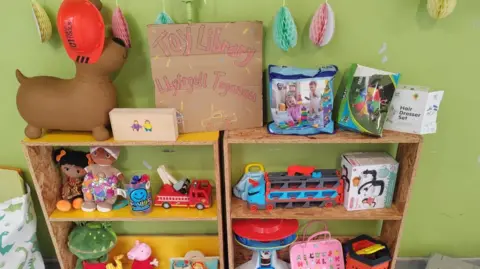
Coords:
pixel 18 238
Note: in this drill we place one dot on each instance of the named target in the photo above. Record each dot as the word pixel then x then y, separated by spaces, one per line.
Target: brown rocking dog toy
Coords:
pixel 78 104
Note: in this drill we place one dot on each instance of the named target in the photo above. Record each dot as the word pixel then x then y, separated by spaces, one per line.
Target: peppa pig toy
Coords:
pixel 141 254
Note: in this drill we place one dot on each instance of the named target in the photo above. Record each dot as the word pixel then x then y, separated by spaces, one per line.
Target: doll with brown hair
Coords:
pixel 100 185
pixel 72 167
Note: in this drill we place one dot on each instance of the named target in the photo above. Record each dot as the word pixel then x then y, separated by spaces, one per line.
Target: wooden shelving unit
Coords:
pixel 47 181
pixel 408 151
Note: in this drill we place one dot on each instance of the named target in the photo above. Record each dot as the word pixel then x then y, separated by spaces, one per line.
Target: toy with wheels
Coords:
pixel 174 193
pixel 240 190
pixel 264 238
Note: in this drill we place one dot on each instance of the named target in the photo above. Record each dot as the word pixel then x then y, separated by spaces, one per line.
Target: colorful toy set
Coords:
pixel 364 252
pixel 264 238
pixel 301 186
pixel 174 193
pixel 363 99
pixel 301 100
pixel 369 180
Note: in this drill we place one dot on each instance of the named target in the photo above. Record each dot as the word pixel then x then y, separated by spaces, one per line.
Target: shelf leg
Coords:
pixel 218 183
pixel 228 203
pixel 407 156
pixel 47 182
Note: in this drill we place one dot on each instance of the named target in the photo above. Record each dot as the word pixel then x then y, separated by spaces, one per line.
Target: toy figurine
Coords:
pixel 141 255
pixel 72 167
pixel 100 186
pixel 118 263
pixel 90 243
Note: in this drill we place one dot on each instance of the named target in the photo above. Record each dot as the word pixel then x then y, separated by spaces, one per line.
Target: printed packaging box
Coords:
pixel 414 110
pixel 369 180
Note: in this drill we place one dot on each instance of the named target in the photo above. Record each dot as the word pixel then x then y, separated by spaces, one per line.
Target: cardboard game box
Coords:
pixel 414 110
pixel 369 180
pixel 210 72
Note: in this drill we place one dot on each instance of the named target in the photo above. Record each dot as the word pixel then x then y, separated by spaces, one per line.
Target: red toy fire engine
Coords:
pixel 173 193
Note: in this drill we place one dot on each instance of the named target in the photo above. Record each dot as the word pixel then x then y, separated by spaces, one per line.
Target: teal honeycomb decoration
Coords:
pixel 284 30
pixel 164 18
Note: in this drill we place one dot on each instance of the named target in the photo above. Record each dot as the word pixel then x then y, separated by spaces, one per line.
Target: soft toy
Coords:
pixel 78 104
pixel 141 254
pixel 72 167
pixel 83 102
pixel 100 186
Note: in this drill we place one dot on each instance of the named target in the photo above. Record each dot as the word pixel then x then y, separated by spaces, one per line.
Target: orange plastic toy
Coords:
pixel 81 27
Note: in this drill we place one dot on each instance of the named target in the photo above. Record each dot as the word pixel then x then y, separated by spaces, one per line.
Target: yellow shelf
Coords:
pixel 86 139
pixel 125 214
pixel 166 247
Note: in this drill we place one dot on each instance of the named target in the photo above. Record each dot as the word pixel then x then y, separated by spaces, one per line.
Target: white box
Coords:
pixel 414 110
pixel 144 124
pixel 369 180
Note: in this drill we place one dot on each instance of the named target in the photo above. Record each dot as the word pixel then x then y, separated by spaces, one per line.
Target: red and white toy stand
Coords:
pixel 264 238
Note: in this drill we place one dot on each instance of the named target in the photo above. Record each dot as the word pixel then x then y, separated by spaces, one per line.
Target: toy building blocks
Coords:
pixel 301 186
pixel 369 180
pixel 175 193
pixel 364 252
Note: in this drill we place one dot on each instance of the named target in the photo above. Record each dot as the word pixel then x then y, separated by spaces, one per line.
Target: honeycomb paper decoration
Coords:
pixel 439 9
pixel 120 27
pixel 44 26
pixel 322 26
pixel 284 29
pixel 164 18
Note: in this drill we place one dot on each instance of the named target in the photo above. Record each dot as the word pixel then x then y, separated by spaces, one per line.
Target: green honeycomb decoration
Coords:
pixel 164 18
pixel 284 30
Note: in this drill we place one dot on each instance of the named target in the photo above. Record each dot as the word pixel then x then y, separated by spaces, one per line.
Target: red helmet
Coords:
pixel 81 27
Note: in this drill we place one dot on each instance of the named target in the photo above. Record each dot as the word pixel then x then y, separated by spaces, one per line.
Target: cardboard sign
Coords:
pixel 210 72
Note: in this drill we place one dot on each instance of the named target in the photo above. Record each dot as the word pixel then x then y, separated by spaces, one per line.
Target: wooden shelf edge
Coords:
pixel 86 139
pixel 239 210
pixel 130 219
pixel 261 136
pixel 125 214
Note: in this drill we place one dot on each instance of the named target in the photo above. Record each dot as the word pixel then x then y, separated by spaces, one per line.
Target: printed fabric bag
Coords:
pixel 301 100
pixel 18 224
pixel 317 253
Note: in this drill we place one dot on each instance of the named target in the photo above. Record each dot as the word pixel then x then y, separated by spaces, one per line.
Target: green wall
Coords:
pixel 442 54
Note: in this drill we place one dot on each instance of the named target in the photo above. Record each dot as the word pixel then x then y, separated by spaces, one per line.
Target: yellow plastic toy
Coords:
pixel 118 263
pixel 370 250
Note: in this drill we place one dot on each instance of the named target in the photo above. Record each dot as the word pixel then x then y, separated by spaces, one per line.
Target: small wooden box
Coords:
pixel 144 124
